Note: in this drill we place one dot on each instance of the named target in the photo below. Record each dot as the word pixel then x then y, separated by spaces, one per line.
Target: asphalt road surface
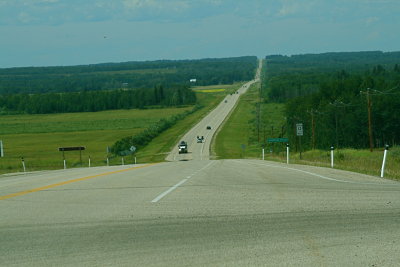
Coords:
pixel 199 212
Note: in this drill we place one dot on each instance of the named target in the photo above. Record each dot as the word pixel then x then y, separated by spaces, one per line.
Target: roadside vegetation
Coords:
pixel 37 138
pixel 309 84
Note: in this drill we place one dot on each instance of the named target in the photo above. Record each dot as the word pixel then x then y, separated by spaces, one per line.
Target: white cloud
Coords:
pixel 371 20
pixel 156 4
pixel 296 7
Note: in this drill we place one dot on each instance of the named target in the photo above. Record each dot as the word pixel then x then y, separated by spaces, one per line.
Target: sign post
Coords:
pixel 332 148
pixel 72 148
pixel 299 133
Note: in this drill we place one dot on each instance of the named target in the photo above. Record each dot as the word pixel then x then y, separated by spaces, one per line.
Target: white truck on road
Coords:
pixel 182 147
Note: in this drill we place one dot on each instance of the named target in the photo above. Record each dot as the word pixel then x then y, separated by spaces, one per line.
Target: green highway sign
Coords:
pixel 277 140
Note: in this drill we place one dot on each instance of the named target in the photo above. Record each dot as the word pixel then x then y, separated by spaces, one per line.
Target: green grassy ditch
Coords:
pixel 241 137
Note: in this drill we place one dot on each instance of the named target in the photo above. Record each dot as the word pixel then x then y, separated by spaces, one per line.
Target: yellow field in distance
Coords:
pixel 209 90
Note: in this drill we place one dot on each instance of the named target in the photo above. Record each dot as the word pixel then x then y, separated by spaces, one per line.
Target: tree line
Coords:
pixel 333 103
pixel 90 101
pixel 111 76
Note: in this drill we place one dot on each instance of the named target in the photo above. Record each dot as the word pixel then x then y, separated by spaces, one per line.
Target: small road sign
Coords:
pixel 132 148
pixel 277 140
pixel 299 129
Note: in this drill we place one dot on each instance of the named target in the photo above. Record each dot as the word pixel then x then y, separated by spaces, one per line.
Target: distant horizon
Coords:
pixel 41 33
pixel 183 59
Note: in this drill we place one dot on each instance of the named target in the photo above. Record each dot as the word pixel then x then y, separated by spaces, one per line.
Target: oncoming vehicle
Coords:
pixel 208 127
pixel 182 147
pixel 200 139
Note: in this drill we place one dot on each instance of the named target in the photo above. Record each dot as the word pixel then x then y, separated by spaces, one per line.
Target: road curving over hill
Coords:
pixel 201 151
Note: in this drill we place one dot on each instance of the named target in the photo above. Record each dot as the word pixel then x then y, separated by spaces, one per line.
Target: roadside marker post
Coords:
pixel 89 161
pixel 108 162
pixel 384 161
pixel 332 148
pixel 23 164
pixel 65 164
pixel 135 160
pixel 263 154
pixel 287 153
pixel 1 149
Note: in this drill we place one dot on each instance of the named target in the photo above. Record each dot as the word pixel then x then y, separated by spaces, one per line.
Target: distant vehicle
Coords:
pixel 208 127
pixel 200 139
pixel 182 147
pixel 237 92
pixel 226 101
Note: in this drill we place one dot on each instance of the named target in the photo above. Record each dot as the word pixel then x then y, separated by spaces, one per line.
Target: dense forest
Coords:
pixel 127 75
pixel 115 85
pixel 89 101
pixel 332 95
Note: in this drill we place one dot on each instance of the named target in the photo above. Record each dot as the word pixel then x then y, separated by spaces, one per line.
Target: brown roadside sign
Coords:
pixel 71 148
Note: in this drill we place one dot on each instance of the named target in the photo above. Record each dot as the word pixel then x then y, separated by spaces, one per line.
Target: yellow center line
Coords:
pixel 69 182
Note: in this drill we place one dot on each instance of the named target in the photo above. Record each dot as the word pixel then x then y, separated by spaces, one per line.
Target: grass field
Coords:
pixel 37 138
pixel 239 138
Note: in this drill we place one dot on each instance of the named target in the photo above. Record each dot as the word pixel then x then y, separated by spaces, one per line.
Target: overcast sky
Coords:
pixel 71 32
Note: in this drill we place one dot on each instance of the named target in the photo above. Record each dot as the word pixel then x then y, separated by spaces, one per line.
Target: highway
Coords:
pixel 201 151
pixel 199 212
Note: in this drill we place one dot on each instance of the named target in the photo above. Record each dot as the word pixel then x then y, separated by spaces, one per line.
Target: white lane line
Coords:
pixel 159 197
pixel 168 191
pixel 314 174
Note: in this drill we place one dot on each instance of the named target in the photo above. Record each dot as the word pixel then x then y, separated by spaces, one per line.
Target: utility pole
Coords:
pixel 371 144
pixel 369 106
pixel 312 113
pixel 338 104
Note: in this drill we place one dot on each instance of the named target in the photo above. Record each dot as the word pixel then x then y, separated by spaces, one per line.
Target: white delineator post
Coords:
pixel 263 154
pixel 89 161
pixel 135 160
pixel 108 162
pixel 65 164
pixel 1 149
pixel 332 148
pixel 23 164
pixel 384 161
pixel 287 153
